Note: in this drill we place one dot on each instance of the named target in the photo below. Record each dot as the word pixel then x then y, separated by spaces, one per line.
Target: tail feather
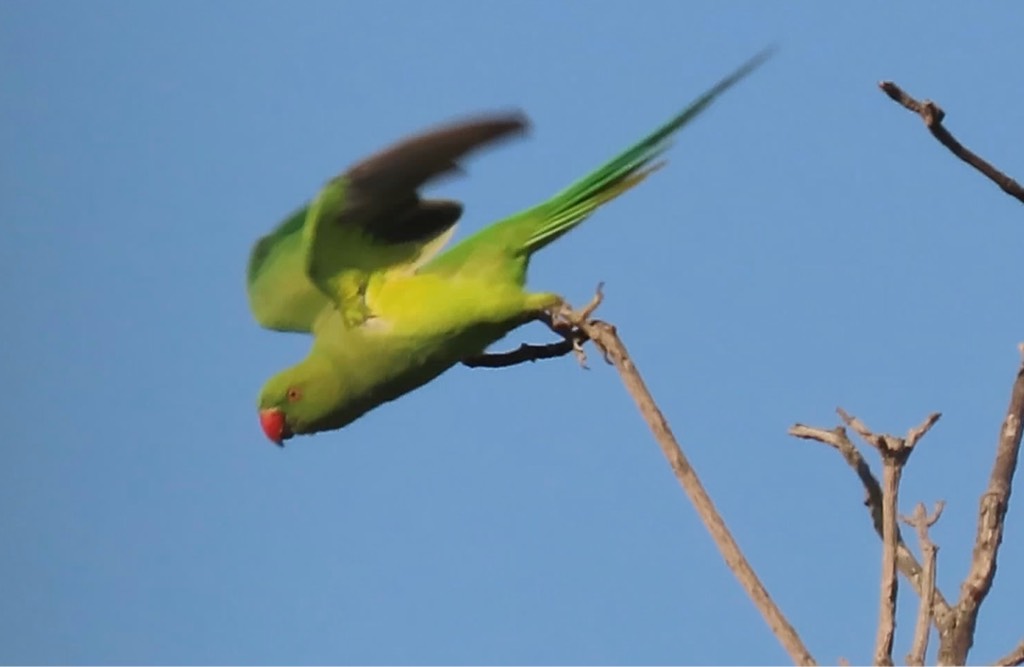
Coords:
pixel 564 218
pixel 577 202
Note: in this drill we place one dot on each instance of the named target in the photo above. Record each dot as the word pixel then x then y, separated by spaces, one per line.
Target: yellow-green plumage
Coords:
pixel 358 268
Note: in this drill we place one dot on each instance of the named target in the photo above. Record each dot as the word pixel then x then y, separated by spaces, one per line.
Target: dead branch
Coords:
pixel 957 642
pixel 955 624
pixel 933 117
pixel 1013 658
pixel 891 473
pixel 605 337
pixel 906 562
pixel 894 452
pixel 922 521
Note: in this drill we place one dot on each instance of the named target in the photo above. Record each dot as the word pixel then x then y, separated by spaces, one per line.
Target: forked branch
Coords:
pixel 906 562
pixel 894 452
pixel 955 623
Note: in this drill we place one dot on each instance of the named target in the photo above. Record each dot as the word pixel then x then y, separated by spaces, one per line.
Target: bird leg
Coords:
pixel 563 320
pixel 352 299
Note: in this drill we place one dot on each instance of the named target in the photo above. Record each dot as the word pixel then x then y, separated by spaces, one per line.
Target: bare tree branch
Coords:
pixel 956 633
pixel 922 521
pixel 991 518
pixel 905 559
pixel 860 428
pixel 955 624
pixel 892 470
pixel 919 431
pixel 891 473
pixel 894 452
pixel 605 337
pixel 933 117
pixel 1013 658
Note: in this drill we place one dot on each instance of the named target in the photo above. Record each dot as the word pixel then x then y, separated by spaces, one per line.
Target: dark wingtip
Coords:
pixel 495 125
pixel 516 120
pixel 510 120
pixel 411 162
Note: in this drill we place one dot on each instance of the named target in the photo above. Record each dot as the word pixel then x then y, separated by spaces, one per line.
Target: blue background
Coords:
pixel 809 245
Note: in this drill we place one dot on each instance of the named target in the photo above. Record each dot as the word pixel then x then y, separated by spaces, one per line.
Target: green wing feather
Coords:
pixel 281 295
pixel 369 219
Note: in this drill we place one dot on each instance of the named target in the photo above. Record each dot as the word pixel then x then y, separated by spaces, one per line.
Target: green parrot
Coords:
pixel 360 268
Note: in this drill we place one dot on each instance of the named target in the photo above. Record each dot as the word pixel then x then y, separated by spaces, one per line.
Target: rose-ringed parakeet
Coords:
pixel 360 269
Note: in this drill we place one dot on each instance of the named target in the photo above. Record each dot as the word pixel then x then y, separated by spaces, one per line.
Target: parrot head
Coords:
pixel 297 400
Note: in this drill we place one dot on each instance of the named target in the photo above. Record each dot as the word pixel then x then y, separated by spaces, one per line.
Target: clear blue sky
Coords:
pixel 808 246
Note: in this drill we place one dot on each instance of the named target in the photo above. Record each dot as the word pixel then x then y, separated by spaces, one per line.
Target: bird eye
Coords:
pixel 294 394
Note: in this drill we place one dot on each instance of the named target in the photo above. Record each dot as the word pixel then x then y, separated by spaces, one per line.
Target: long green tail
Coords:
pixel 574 204
pixel 536 227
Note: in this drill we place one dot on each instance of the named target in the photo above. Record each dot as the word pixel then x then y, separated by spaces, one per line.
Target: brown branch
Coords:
pixel 906 562
pixel 605 337
pixel 891 473
pixel 933 117
pixel 1013 658
pixel 991 518
pixel 883 502
pixel 894 452
pixel 922 521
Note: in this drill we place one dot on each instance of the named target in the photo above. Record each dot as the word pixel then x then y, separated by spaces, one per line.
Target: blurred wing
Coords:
pixel 370 218
pixel 281 296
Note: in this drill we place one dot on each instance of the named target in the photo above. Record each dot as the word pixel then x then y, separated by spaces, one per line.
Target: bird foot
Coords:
pixel 356 314
pixel 562 319
pixel 565 320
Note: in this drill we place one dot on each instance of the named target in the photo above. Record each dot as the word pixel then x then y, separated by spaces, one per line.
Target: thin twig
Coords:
pixel 860 428
pixel 922 521
pixel 605 337
pixel 1013 658
pixel 991 518
pixel 933 117
pixel 919 431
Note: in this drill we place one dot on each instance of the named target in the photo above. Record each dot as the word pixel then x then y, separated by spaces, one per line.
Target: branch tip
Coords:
pixel 933 116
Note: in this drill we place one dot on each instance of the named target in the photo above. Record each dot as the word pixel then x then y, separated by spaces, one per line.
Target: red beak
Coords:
pixel 274 425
